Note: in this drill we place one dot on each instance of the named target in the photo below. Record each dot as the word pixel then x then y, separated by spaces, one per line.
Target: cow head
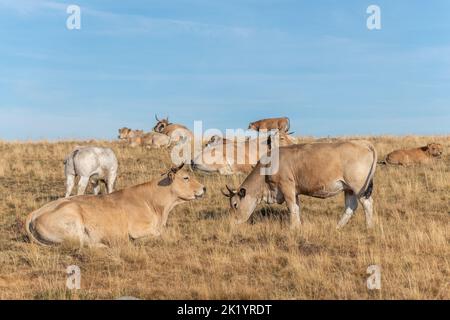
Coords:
pixel 124 133
pixel 183 186
pixel 160 124
pixel 434 149
pixel 242 203
pixel 214 140
pixel 284 139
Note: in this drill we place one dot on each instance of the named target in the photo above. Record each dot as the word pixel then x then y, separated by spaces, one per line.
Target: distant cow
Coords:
pixel 175 131
pixel 90 163
pixel 420 155
pixel 216 157
pixel 150 140
pixel 130 213
pixel 127 133
pixel 320 170
pixel 281 124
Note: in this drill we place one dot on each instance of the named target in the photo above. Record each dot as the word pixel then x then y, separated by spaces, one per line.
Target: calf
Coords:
pixel 95 163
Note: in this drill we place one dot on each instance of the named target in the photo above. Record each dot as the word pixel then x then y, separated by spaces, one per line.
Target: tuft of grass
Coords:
pixel 200 256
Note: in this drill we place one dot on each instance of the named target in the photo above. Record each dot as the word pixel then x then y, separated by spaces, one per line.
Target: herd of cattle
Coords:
pixel 319 169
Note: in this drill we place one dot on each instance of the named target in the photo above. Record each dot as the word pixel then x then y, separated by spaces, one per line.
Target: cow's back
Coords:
pixel 94 160
pixel 313 165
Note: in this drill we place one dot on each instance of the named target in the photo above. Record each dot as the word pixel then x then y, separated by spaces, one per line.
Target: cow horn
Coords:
pixel 228 195
pixel 156 117
pixel 292 132
pixel 231 191
pixel 176 169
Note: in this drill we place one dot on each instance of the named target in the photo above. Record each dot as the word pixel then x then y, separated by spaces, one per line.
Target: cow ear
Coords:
pixel 242 192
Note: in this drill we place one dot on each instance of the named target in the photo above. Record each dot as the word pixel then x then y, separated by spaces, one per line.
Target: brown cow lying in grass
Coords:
pixel 126 133
pixel 150 140
pixel 138 138
pixel 176 132
pixel 133 212
pixel 422 155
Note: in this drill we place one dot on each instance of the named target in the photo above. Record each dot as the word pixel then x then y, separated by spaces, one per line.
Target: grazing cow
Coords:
pixel 134 212
pixel 422 155
pixel 150 140
pixel 281 124
pixel 175 131
pixel 126 133
pixel 218 158
pixel 318 170
pixel 97 164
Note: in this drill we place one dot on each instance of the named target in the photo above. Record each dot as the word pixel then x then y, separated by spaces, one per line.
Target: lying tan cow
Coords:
pixel 318 170
pixel 127 133
pixel 133 212
pixel 422 155
pixel 175 131
pixel 281 124
pixel 150 140
pixel 232 157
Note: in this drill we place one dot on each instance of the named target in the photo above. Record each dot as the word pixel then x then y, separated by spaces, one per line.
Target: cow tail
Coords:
pixel 367 190
pixel 72 155
pixel 32 233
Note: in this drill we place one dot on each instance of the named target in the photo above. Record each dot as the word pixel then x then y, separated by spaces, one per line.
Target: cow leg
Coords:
pixel 351 203
pixel 110 181
pixel 70 182
pixel 96 186
pixel 367 204
pixel 82 185
pixel 298 204
pixel 292 203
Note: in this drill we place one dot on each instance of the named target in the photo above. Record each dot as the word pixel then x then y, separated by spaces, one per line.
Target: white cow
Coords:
pixel 95 163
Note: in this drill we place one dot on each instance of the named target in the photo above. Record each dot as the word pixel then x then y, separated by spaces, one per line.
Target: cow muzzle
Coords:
pixel 200 194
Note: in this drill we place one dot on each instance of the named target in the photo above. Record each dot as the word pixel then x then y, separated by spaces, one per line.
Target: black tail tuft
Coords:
pixel 369 190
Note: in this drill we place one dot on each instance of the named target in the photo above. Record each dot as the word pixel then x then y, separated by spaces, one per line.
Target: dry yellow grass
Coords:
pixel 200 257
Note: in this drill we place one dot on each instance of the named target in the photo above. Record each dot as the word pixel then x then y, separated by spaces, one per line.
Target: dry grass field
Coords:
pixel 199 256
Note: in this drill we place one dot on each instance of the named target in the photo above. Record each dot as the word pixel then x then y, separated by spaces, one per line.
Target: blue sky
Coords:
pixel 224 62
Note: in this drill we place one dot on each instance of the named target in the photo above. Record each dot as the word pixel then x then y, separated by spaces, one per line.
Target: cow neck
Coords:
pixel 159 196
pixel 255 184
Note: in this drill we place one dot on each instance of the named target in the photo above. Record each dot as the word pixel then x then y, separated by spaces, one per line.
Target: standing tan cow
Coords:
pixel 133 212
pixel 175 131
pixel 281 124
pixel 422 155
pixel 318 170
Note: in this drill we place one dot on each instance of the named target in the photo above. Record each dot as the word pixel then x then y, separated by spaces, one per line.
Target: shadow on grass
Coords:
pixel 267 213
pixel 49 198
